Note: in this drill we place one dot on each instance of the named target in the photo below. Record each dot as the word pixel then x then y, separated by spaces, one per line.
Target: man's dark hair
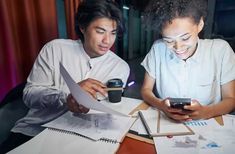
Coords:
pixel 90 10
pixel 160 12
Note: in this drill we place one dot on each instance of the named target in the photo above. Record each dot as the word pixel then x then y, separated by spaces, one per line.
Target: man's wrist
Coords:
pixel 63 97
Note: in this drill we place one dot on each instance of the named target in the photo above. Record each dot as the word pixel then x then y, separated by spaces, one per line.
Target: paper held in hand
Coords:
pixel 83 97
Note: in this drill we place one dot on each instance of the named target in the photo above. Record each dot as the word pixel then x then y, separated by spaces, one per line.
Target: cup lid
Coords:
pixel 115 83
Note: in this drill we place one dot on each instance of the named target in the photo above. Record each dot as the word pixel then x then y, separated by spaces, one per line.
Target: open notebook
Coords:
pixel 158 124
pixel 61 141
pixel 50 141
pixel 94 125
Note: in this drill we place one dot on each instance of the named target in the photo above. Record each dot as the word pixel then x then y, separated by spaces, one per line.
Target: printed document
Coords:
pixel 94 125
pixel 83 97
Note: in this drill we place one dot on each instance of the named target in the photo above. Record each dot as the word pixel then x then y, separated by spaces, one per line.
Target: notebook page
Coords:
pixel 50 141
pixel 125 106
pixel 151 118
pixel 162 126
pixel 168 125
pixel 94 125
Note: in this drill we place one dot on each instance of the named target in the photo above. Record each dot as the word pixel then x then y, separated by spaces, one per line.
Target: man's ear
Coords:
pixel 200 25
pixel 82 30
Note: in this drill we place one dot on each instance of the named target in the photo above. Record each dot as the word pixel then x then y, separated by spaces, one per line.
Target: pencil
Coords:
pixel 113 89
pixel 144 123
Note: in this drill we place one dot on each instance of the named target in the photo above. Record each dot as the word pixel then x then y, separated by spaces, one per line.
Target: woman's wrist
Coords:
pixel 208 112
pixel 159 104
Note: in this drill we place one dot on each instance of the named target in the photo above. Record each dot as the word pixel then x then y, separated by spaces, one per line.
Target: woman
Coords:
pixel 181 65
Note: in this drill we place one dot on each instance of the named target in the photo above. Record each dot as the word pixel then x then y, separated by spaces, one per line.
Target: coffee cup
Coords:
pixel 115 92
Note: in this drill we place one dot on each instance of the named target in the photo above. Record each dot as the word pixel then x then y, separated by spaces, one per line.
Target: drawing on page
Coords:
pixel 98 122
pixel 211 145
pixel 93 125
pixel 207 143
pixel 186 142
pixel 196 123
pixel 192 142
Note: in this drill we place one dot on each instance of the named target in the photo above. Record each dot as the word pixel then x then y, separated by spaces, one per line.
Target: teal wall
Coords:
pixel 61 18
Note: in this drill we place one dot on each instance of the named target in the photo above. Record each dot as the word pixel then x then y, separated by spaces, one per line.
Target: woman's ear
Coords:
pixel 200 25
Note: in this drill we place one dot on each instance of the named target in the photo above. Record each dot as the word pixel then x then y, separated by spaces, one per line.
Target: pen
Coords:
pixel 144 123
pixel 112 89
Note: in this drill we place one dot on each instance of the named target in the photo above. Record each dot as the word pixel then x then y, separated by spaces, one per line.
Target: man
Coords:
pixel 88 60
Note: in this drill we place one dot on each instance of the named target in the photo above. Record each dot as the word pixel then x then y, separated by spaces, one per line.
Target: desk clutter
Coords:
pixel 95 132
pixel 102 130
pixel 209 136
pixel 103 133
pixel 94 125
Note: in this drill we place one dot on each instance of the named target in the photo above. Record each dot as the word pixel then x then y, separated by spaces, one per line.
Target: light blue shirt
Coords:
pixel 200 77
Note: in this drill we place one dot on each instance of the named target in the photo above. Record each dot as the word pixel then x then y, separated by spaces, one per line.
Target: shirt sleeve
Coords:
pixel 149 62
pixel 40 91
pixel 125 74
pixel 228 64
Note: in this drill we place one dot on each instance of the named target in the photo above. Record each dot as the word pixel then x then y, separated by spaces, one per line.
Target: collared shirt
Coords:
pixel 199 77
pixel 46 91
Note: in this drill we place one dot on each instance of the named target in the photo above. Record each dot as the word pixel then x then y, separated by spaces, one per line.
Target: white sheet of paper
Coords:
pixel 169 125
pixel 49 142
pixel 177 144
pixel 125 106
pixel 83 97
pixel 229 121
pixel 94 125
pixel 209 138
pixel 193 144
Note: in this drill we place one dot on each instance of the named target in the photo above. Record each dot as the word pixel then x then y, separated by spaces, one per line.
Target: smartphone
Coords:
pixel 179 103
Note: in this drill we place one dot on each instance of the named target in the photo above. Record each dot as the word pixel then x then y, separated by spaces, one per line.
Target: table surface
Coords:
pixel 132 146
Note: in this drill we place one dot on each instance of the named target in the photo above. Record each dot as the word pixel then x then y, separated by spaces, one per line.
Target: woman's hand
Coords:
pixel 198 111
pixel 176 114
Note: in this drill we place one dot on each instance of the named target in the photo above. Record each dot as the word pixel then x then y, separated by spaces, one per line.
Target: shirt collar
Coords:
pixel 195 58
pixel 93 61
pixel 197 54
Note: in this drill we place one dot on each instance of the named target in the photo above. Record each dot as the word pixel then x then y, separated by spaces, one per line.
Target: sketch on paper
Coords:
pixel 186 142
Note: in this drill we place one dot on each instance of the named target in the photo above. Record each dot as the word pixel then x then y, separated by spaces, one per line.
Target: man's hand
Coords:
pixel 93 86
pixel 73 106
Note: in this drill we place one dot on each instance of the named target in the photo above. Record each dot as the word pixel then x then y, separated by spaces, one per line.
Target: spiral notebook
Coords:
pixel 60 139
pixel 60 142
pixel 94 125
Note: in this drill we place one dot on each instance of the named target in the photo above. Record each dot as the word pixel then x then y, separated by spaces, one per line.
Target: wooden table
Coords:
pixel 132 146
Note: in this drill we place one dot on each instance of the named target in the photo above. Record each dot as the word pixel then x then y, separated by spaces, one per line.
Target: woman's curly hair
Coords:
pixel 160 12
